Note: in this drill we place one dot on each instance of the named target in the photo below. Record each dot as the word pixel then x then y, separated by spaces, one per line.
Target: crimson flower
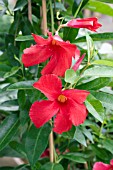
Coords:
pixel 78 62
pixel 103 166
pixel 67 105
pixel 89 23
pixel 54 48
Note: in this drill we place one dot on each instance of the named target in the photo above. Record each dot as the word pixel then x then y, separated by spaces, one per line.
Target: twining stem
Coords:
pixel 29 11
pixel 44 17
pixel 51 147
pixel 52 17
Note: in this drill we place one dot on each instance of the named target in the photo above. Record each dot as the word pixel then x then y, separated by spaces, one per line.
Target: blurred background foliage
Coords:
pixel 86 144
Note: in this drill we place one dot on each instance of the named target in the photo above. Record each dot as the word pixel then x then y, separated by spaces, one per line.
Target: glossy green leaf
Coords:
pixel 95 84
pixel 24 38
pixel 90 46
pixel 77 6
pixel 95 107
pixel 87 133
pixel 105 98
pixel 70 76
pixel 4 67
pixel 13 71
pixel 73 157
pixel 100 71
pixel 21 85
pixel 103 62
pixel 20 4
pixel 51 166
pixel 70 34
pixel 8 128
pixel 108 145
pixel 18 147
pixel 106 1
pixel 21 98
pixel 79 136
pixel 95 7
pixel 97 37
pixel 36 142
pixel 100 152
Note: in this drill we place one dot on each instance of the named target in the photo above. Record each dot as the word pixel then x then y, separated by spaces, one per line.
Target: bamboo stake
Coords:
pixel 29 11
pixel 44 17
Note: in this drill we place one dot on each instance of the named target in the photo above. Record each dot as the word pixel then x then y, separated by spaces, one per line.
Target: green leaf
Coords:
pixel 105 98
pixel 95 84
pixel 7 168
pixel 24 38
pixel 97 37
pixel 76 5
pixel 21 98
pixel 100 152
pixel 73 157
pixel 90 46
pixel 20 4
pixel 21 85
pixel 95 6
pixel 106 1
pixel 87 133
pixel 13 71
pixel 18 147
pixel 51 166
pixel 95 107
pixel 70 76
pixel 8 128
pixel 100 71
pixel 103 62
pixel 4 67
pixel 70 34
pixel 36 142
pixel 79 136
pixel 108 145
pixel 59 6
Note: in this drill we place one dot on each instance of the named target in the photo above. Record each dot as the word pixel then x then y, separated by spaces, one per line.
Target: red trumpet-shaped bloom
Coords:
pixel 103 166
pixel 66 105
pixel 54 48
pixel 89 23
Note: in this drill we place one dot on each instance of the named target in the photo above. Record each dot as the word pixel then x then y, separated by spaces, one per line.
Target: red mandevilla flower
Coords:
pixel 78 62
pixel 67 105
pixel 103 166
pixel 89 23
pixel 54 48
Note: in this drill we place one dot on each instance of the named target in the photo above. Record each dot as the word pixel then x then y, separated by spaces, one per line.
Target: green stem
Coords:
pixel 52 17
pixel 77 11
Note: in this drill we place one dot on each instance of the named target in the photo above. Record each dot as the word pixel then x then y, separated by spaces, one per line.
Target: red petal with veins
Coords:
pixel 62 122
pixel 77 95
pixel 77 113
pixel 50 85
pixel 35 54
pixel 41 112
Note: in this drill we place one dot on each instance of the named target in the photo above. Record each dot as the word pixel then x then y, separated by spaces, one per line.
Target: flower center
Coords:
pixel 62 98
pixel 54 42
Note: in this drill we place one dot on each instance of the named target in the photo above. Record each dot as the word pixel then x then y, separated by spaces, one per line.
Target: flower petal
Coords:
pixel 77 112
pixel 77 64
pixel 35 54
pixel 62 122
pixel 40 40
pixel 101 166
pixel 89 23
pixel 77 95
pixel 50 85
pixel 42 111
